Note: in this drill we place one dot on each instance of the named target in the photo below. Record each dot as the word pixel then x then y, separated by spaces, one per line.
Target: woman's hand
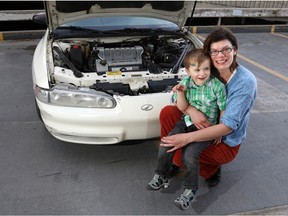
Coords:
pixel 176 141
pixel 217 141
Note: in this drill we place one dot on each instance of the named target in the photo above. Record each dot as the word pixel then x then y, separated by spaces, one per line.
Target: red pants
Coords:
pixel 211 158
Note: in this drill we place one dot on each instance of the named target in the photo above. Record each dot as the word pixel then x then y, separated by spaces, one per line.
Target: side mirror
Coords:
pixel 40 18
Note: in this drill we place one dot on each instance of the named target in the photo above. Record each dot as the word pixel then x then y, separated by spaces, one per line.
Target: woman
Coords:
pixel 241 88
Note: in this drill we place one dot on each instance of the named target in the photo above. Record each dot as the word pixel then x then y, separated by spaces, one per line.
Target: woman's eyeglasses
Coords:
pixel 223 51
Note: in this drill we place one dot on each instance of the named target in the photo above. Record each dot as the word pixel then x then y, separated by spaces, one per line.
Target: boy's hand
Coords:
pixel 174 89
pixel 199 119
pixel 180 88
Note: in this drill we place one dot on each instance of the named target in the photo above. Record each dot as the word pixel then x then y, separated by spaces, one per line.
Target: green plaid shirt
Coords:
pixel 208 98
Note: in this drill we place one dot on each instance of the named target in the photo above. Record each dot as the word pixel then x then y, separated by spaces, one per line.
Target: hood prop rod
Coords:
pixel 181 58
pixel 76 72
pixel 192 13
pixel 186 47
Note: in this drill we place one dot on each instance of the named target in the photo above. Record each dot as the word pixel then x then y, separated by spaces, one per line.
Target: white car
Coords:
pixel 104 70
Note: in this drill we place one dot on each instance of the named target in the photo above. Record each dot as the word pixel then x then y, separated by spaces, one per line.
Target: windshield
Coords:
pixel 121 22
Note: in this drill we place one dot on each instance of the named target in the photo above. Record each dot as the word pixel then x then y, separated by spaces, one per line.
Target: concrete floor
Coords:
pixel 42 175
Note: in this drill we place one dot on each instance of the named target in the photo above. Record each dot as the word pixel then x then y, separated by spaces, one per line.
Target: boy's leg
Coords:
pixel 177 158
pixel 169 116
pixel 191 156
pixel 214 156
pixel 164 160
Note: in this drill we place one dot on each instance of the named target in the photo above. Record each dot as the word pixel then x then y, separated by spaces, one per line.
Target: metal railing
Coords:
pixel 242 9
pixel 250 4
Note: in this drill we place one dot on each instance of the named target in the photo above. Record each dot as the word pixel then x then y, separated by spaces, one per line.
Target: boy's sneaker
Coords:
pixel 157 182
pixel 184 200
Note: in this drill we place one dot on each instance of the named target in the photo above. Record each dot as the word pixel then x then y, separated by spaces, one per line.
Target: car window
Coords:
pixel 123 22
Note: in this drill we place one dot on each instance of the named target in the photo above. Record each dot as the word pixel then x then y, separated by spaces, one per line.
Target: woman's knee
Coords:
pixel 168 112
pixel 219 154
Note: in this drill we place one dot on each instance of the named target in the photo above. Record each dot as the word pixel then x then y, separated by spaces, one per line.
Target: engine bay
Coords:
pixel 124 66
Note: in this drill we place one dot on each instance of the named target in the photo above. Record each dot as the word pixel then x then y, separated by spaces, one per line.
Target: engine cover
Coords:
pixel 118 58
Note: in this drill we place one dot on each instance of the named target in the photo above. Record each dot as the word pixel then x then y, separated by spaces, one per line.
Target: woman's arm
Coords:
pixel 179 140
pixel 218 139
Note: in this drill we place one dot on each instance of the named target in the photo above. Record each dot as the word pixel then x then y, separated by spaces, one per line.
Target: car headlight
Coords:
pixel 64 96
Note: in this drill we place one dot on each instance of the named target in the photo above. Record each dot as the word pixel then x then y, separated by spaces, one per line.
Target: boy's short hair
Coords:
pixel 195 56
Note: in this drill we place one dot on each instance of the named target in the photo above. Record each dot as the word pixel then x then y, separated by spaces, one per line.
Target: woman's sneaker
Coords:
pixel 158 182
pixel 215 179
pixel 184 200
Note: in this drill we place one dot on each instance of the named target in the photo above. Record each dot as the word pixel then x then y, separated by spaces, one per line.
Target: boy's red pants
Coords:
pixel 211 158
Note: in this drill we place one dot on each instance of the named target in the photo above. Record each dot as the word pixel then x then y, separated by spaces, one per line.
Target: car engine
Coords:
pixel 151 62
pixel 116 59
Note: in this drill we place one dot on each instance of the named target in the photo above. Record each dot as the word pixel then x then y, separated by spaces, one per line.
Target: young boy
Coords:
pixel 208 95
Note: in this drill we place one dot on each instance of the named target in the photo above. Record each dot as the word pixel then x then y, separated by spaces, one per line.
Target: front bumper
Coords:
pixel 127 121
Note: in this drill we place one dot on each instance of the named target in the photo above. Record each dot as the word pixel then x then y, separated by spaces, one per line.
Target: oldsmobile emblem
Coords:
pixel 147 107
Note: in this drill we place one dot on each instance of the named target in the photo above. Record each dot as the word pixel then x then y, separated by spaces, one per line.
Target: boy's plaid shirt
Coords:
pixel 208 98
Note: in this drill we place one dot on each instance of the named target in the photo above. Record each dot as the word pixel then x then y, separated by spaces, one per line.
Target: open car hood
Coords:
pixel 61 12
